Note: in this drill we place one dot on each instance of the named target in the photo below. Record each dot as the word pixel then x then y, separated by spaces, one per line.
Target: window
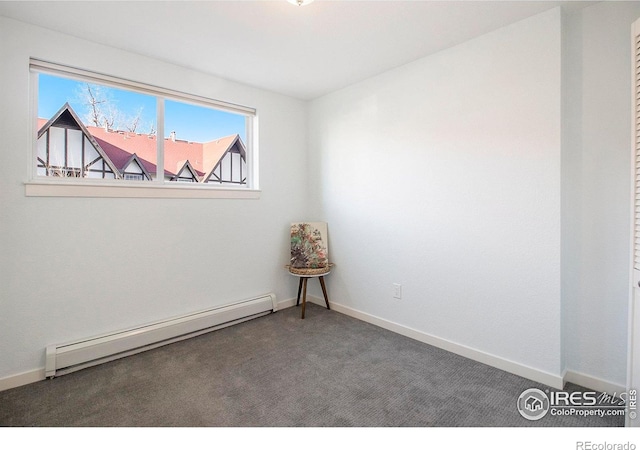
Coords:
pixel 100 130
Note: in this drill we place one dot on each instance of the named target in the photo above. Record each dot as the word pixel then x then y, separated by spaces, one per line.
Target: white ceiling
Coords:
pixel 303 52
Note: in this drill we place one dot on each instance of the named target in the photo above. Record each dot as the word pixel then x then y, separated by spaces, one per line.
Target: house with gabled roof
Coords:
pixel 225 158
pixel 187 173
pixel 134 169
pixel 68 148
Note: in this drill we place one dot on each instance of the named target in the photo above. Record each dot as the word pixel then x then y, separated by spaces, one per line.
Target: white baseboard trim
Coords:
pixel 593 383
pixel 530 373
pixel 21 379
pixel 282 304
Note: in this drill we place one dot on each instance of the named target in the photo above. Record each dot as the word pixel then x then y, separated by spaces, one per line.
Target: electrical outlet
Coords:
pixel 397 290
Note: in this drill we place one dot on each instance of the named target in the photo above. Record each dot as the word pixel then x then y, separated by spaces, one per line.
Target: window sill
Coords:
pixel 133 190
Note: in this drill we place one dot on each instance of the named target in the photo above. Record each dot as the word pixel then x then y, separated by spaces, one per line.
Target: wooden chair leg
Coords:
pixel 304 295
pixel 299 290
pixel 324 291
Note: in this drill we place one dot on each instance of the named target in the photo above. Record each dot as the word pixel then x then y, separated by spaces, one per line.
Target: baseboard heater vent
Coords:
pixel 65 358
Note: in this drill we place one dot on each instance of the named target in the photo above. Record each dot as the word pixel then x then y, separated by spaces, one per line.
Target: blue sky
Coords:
pixel 190 122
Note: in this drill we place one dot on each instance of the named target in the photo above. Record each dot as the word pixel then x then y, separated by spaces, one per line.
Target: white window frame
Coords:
pixel 38 186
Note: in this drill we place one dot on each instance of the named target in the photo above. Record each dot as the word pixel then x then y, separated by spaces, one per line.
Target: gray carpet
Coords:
pixel 328 370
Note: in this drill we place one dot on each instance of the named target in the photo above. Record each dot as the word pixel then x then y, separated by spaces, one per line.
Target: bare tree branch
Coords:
pixel 101 110
pixel 133 122
pixel 90 98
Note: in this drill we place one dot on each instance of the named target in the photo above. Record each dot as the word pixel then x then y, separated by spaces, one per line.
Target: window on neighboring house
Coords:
pixel 98 127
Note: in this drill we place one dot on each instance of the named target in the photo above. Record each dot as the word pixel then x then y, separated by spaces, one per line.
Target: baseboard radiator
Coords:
pixel 65 358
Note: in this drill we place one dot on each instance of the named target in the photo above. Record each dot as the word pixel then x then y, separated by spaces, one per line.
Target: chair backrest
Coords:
pixel 309 245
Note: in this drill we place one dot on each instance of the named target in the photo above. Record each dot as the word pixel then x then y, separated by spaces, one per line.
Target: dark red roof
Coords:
pixel 121 145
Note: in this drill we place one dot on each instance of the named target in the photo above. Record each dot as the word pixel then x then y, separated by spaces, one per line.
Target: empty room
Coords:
pixel 465 169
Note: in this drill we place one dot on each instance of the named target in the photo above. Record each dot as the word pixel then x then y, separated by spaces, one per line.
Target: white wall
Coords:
pixel 77 267
pixel 596 186
pixel 444 175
